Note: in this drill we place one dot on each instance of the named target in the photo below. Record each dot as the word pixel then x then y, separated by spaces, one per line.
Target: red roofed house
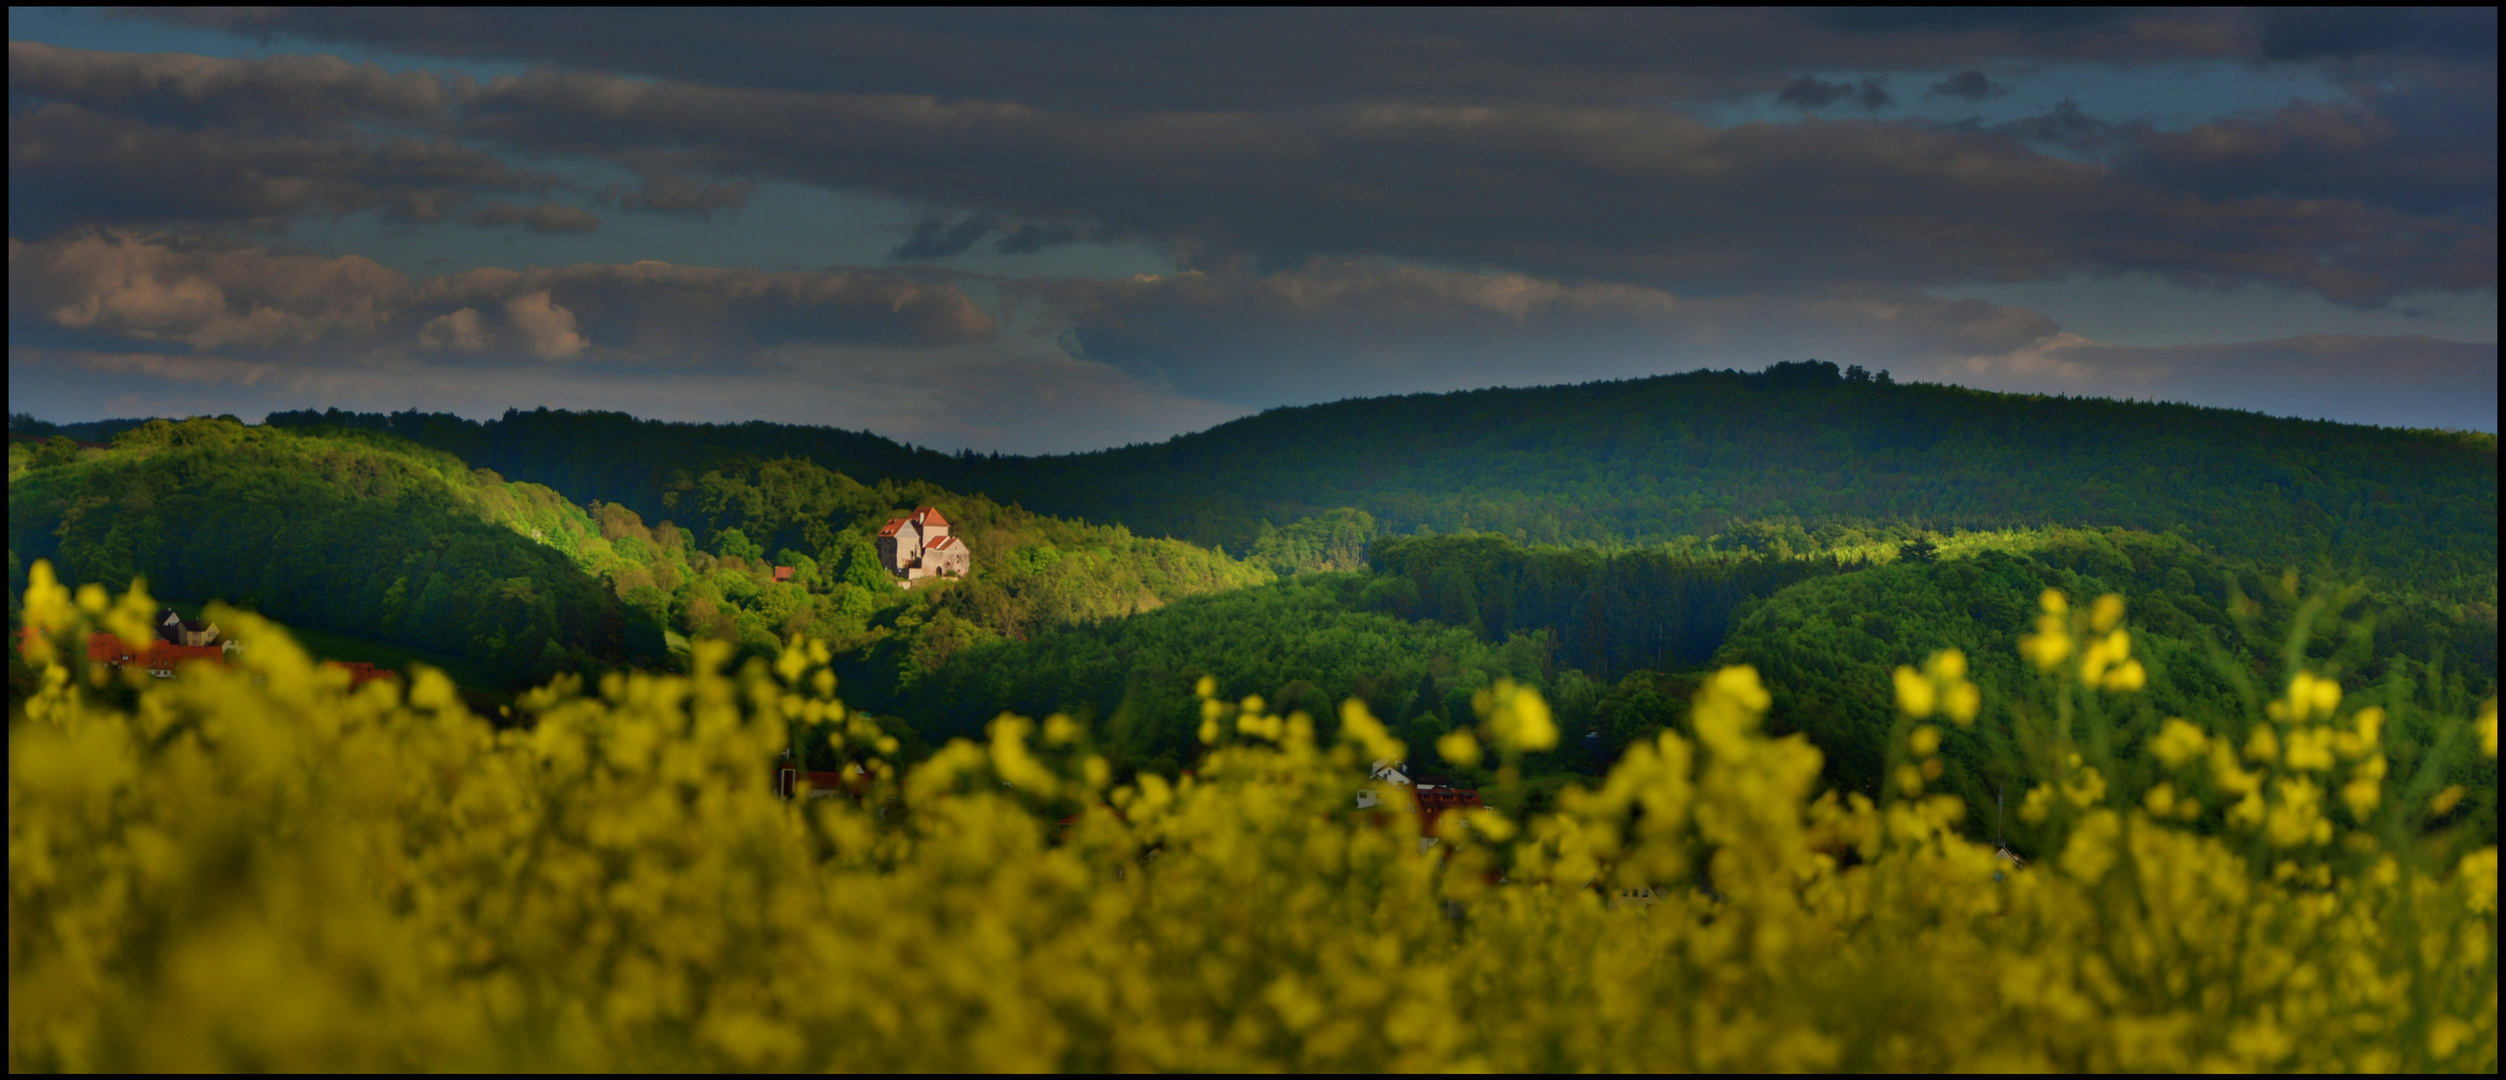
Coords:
pixel 919 546
pixel 159 657
pixel 174 629
pixel 1433 796
pixel 162 658
pixel 782 574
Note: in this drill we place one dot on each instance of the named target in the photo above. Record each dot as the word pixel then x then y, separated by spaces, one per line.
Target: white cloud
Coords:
pixel 462 331
pixel 549 330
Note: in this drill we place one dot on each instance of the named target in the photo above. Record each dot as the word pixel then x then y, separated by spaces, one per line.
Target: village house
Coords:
pixel 919 546
pixel 181 641
pixel 1430 796
pixel 174 629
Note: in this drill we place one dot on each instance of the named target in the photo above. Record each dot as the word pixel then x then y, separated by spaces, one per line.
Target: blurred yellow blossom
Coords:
pixel 2263 745
pixel 2085 788
pixel 1925 741
pixel 2310 749
pixel 258 869
pixel 2178 742
pixel 1459 747
pixel 2091 850
pixel 2109 611
pixel 1517 718
pixel 2443 802
pixel 1914 693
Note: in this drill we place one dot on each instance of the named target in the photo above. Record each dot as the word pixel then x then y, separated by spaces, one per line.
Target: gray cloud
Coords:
pixel 1337 330
pixel 2395 380
pixel 1811 93
pixel 933 238
pixel 1968 85
pixel 1341 329
pixel 1034 236
pixel 2421 153
pixel 1625 193
pixel 688 198
pixel 1260 60
pixel 191 90
pixel 69 165
pixel 220 295
pixel 1046 405
pixel 206 294
pixel 547 217
pixel 2455 33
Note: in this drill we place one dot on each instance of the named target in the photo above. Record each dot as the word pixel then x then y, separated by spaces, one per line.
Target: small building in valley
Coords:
pixel 174 629
pixel 919 546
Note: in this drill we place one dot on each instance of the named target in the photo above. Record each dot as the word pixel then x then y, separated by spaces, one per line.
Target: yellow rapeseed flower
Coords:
pixel 258 869
pixel 2262 745
pixel 2310 749
pixel 2178 743
pixel 1460 747
pixel 2443 802
pixel 1925 741
pixel 1914 693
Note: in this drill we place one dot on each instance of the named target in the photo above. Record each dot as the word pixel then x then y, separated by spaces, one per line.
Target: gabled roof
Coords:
pixel 890 528
pixel 783 573
pixel 928 516
pixel 942 544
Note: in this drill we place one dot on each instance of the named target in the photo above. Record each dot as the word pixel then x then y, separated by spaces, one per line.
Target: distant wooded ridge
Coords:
pixel 1644 461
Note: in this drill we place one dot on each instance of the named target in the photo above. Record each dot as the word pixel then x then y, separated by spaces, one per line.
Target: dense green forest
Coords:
pixel 2211 632
pixel 616 458
pixel 1030 572
pixel 1657 460
pixel 1827 636
pixel 364 533
pixel 1606 543
pixel 352 532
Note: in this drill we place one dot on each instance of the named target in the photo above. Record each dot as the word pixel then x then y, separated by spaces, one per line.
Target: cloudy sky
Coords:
pixel 1043 231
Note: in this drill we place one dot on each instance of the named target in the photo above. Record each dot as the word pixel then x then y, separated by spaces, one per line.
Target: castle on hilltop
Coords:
pixel 919 546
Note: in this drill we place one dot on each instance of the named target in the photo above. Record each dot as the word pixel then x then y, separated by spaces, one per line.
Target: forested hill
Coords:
pixel 347 532
pixel 366 534
pixel 616 458
pixel 1654 459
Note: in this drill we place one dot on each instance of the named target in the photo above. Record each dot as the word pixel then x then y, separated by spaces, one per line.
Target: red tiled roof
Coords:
pixel 930 515
pixel 166 655
pixel 783 573
pixel 1434 802
pixel 942 544
pixel 890 528
pixel 108 648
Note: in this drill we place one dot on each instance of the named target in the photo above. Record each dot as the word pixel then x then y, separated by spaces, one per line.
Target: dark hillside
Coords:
pixel 350 532
pixel 1648 460
pixel 616 458
pixel 2212 635
pixel 1690 455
